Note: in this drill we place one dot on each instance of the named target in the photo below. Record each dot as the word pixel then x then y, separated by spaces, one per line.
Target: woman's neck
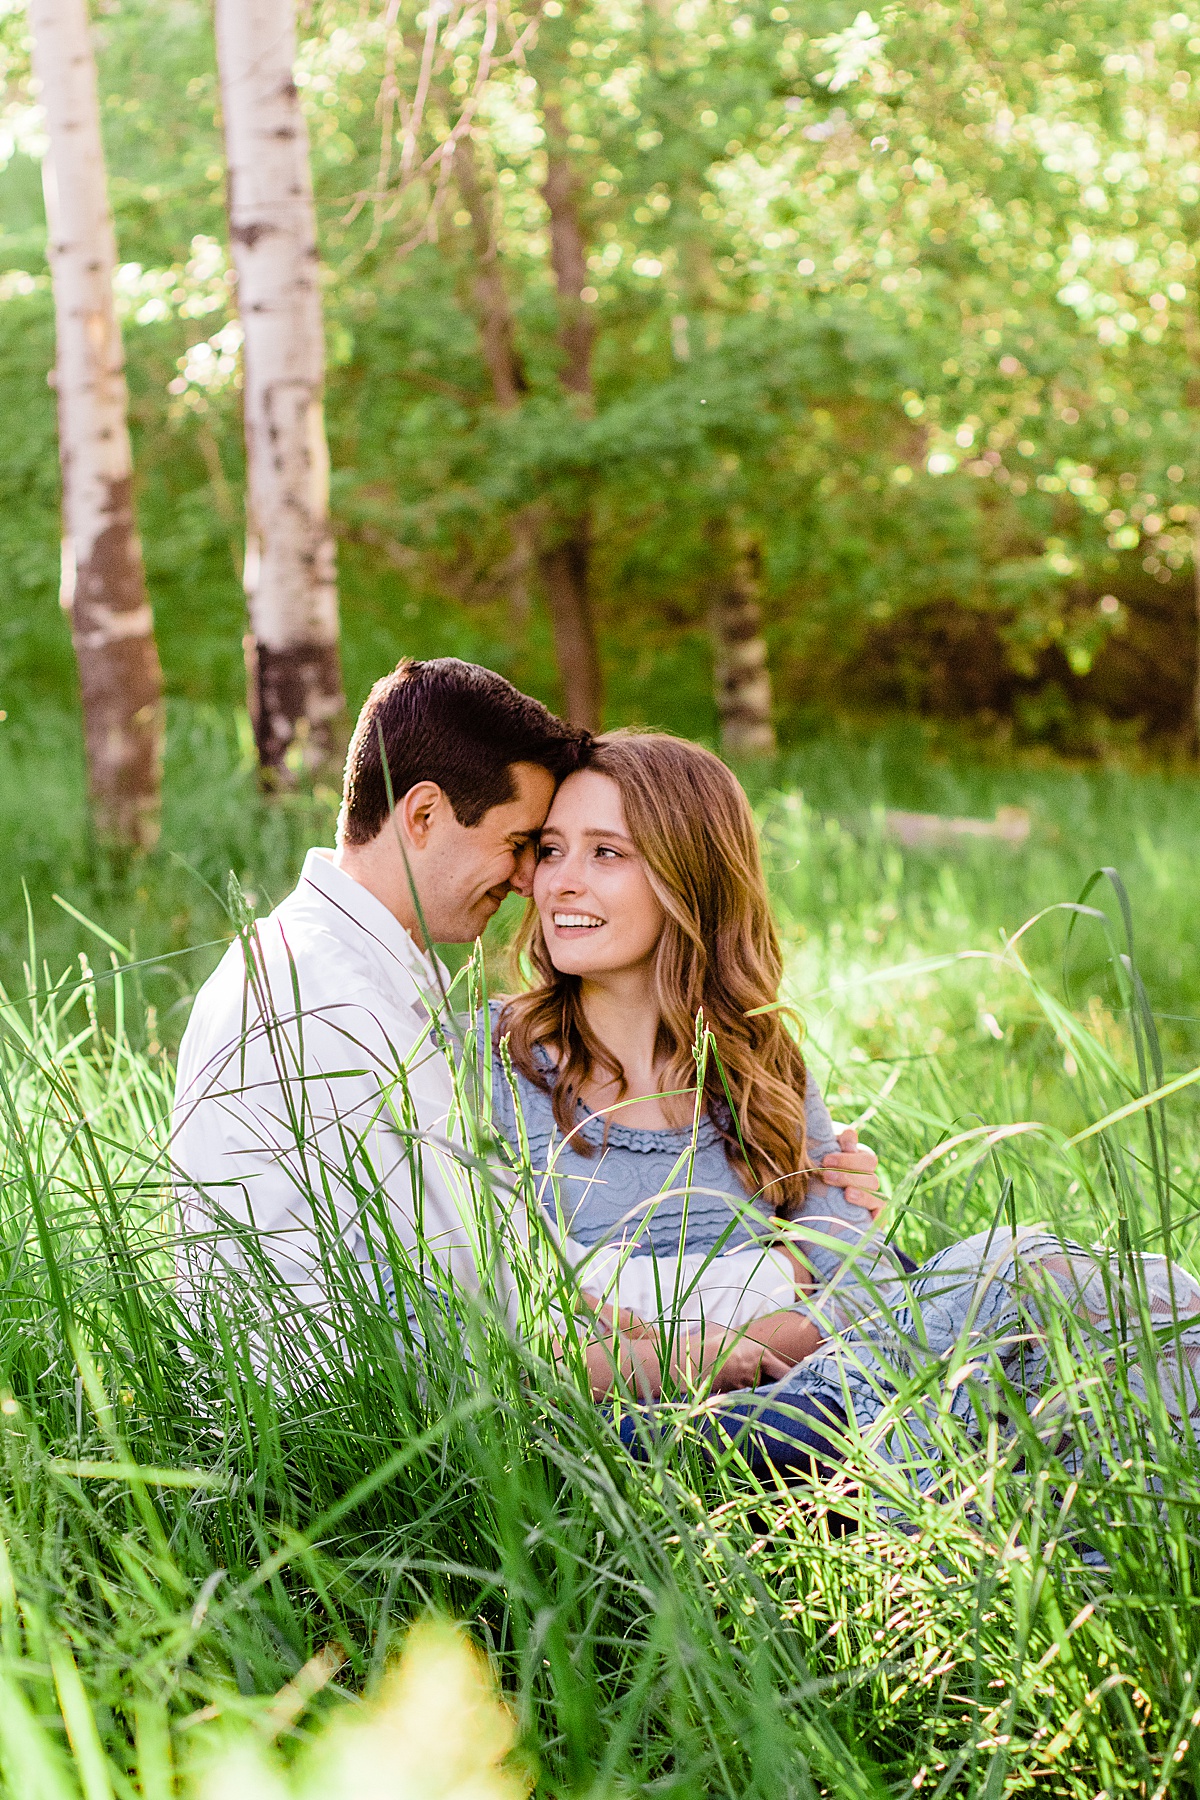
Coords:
pixel 622 1014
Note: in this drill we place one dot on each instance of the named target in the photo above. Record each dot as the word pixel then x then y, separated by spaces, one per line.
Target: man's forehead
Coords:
pixel 527 809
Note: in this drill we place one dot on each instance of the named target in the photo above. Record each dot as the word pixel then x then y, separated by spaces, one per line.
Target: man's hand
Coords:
pixel 626 1322
pixel 854 1168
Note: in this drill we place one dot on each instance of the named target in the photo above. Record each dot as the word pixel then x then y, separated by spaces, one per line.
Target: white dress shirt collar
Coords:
pixel 358 906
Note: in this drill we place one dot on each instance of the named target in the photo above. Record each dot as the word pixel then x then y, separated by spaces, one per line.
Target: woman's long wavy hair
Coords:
pixel 718 954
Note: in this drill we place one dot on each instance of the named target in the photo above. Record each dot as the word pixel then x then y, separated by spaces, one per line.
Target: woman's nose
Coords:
pixel 565 878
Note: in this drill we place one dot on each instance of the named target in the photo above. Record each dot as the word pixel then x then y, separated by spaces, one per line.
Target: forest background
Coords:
pixel 875 336
pixel 912 299
pixel 890 323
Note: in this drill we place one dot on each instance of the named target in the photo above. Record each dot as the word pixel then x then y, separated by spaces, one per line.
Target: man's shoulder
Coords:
pixel 297 953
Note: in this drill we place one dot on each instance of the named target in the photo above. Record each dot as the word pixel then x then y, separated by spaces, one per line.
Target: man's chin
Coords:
pixel 486 911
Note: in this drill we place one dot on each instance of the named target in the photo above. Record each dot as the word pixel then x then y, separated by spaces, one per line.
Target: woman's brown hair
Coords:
pixel 718 953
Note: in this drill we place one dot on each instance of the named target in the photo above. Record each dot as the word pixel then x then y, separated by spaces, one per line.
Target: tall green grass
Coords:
pixel 185 1529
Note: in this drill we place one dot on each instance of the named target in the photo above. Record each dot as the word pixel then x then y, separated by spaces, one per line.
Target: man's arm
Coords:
pixel 726 1360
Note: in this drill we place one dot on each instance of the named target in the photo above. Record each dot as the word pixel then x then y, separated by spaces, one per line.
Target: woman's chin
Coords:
pixel 567 961
pixel 575 956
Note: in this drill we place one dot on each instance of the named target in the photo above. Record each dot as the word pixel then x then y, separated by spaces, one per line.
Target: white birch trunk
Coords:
pixel 103 580
pixel 741 673
pixel 293 665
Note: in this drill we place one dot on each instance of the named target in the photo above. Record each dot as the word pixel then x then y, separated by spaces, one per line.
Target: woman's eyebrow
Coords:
pixel 554 831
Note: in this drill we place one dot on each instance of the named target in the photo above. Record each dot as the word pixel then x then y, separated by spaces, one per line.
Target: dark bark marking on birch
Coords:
pixel 252 234
pixel 295 694
pixel 120 681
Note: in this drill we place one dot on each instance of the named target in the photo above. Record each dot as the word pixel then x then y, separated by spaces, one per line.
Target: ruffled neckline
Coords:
pixel 647 1140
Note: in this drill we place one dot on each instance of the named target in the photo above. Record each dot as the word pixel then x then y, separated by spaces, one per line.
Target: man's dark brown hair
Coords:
pixel 455 724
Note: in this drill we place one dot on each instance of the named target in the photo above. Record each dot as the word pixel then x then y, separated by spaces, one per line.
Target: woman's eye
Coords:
pixel 606 851
pixel 546 850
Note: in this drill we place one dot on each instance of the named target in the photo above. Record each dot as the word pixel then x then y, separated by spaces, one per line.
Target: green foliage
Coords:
pixel 915 298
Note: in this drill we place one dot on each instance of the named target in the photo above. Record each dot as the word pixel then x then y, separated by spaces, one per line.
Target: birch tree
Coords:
pixel 292 659
pixel 103 580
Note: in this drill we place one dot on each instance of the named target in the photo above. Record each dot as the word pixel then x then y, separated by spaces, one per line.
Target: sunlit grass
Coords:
pixel 206 1561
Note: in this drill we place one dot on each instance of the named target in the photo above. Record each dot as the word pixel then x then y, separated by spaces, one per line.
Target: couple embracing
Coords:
pixel 720 1232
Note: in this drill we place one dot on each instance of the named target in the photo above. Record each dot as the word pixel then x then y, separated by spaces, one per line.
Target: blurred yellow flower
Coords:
pixel 436 1730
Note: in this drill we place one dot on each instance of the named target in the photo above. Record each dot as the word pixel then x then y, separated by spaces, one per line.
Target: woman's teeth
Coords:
pixel 572 921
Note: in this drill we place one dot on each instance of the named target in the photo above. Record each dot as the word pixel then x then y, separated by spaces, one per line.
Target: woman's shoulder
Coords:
pixel 494 1026
pixel 532 1097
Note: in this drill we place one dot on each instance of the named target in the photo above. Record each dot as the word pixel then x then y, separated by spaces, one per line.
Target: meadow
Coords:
pixel 205 1559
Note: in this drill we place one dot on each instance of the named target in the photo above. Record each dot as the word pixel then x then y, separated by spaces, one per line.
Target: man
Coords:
pixel 321 1039
pixel 316 1099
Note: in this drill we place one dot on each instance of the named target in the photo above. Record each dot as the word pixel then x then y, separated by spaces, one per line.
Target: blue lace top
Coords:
pixel 647 1190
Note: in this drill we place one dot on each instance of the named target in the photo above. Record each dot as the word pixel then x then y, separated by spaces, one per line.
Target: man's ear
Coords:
pixel 418 809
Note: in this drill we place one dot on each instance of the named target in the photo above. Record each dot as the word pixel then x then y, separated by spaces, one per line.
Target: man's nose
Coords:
pixel 524 864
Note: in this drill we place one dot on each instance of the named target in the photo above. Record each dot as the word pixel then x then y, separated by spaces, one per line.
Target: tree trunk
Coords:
pixel 103 580
pixel 564 554
pixel 1195 720
pixel 505 366
pixel 742 678
pixel 564 565
pixel 509 383
pixel 292 662
pixel 560 543
pixel 568 258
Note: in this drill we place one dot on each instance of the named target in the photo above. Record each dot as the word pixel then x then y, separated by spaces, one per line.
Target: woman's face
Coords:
pixel 599 913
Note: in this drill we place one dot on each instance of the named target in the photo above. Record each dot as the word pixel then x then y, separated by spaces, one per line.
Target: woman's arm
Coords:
pixel 791 1336
pixel 731 1289
pixel 843 1195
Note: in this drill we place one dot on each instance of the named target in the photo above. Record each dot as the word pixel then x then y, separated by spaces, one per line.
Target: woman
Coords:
pixel 650 909
pixel 650 912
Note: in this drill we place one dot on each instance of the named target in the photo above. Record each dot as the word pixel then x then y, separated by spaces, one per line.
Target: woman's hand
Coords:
pixel 728 1360
pixel 732 1360
pixel 854 1168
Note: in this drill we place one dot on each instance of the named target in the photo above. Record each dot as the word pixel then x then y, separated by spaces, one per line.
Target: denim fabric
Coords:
pixel 788 1437
pixel 987 1305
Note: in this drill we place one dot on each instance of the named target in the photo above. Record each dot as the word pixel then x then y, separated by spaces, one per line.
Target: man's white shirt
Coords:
pixel 312 1076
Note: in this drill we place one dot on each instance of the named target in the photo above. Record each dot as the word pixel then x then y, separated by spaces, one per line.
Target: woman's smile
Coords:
pixel 572 921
